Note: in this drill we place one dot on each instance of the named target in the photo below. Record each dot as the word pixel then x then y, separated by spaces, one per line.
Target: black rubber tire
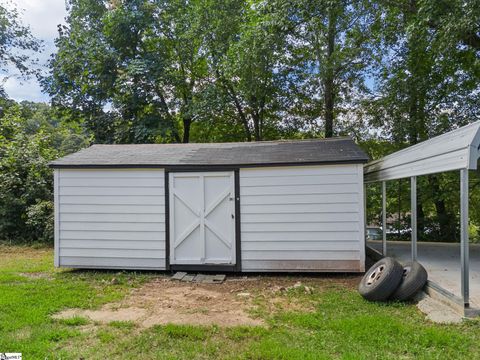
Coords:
pixel 381 280
pixel 413 280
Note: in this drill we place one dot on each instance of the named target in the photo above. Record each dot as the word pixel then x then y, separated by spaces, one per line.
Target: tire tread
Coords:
pixel 385 286
pixel 412 283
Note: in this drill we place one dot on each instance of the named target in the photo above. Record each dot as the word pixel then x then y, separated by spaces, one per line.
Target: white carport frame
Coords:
pixel 456 150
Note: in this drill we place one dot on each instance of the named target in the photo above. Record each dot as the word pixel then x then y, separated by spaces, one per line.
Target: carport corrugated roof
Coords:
pixel 455 150
pixel 293 152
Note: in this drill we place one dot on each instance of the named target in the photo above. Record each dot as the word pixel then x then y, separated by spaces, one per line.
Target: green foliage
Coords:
pixel 439 191
pixel 30 137
pixel 426 83
pixel 474 233
pixel 387 73
pixel 140 59
pixel 329 53
pixel 152 70
pixel 40 220
pixel 428 74
pixel 15 41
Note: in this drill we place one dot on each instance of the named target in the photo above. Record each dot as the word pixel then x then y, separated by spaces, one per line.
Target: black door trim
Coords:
pixel 238 232
pixel 203 267
pixel 167 221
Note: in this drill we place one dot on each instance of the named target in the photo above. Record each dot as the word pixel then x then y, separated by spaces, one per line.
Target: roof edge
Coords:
pixel 421 144
pixel 52 165
pixel 280 141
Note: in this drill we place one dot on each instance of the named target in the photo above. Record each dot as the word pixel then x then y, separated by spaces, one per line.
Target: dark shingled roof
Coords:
pixel 290 152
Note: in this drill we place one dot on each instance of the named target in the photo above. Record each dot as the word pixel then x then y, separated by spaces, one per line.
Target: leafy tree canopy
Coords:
pixel 16 46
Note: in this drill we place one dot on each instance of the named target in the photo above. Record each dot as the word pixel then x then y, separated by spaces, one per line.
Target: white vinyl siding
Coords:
pixel 302 218
pixel 110 218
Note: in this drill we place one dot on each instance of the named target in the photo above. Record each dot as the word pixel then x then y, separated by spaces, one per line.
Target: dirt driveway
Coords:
pixel 237 301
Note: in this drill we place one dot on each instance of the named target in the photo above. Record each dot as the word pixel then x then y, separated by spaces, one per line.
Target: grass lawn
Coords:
pixel 340 325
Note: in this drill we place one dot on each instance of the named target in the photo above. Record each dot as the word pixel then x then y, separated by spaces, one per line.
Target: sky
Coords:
pixel 43 17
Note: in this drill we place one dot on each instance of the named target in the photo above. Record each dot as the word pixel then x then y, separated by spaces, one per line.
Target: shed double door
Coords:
pixel 202 218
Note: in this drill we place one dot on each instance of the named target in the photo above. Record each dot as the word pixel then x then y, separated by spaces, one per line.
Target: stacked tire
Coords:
pixel 387 279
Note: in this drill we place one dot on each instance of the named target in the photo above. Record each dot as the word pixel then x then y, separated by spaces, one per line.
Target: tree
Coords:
pixel 153 70
pixel 15 40
pixel 456 22
pixel 143 60
pixel 245 53
pixel 31 135
pixel 427 84
pixel 330 51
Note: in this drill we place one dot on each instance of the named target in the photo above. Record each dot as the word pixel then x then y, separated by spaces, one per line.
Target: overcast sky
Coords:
pixel 42 16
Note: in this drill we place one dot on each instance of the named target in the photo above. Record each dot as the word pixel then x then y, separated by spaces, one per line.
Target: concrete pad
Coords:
pixel 179 275
pixel 199 278
pixel 436 311
pixel 219 278
pixel 188 278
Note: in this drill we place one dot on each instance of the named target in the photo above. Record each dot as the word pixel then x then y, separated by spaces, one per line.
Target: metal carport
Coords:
pixel 456 150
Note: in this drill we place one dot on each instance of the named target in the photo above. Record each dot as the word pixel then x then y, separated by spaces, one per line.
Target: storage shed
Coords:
pixel 250 207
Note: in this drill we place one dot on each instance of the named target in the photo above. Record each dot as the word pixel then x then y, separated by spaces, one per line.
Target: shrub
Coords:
pixel 40 220
pixel 474 233
pixel 27 145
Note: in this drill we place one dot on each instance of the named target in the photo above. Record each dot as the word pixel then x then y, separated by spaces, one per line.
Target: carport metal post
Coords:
pixel 384 218
pixel 413 199
pixel 365 212
pixel 464 255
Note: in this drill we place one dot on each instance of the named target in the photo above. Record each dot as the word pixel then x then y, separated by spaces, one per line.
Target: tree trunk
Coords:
pixel 412 116
pixel 187 122
pixel 230 91
pixel 420 218
pixel 168 115
pixel 444 218
pixel 255 114
pixel 328 84
pixel 187 119
pixel 241 114
pixel 256 127
pixel 417 116
pixel 328 81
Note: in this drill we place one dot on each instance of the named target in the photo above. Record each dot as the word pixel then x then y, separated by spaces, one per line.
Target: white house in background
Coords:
pixel 264 206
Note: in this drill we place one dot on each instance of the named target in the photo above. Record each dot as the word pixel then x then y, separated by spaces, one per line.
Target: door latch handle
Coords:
pixel 233 216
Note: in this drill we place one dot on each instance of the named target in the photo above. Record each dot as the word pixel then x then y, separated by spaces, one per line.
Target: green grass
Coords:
pixel 26 302
pixel 75 321
pixel 342 325
pixel 127 325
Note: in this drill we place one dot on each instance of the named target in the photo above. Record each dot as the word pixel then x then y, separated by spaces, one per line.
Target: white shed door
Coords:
pixel 202 218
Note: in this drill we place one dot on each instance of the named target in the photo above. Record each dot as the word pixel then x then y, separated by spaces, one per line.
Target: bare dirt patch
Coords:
pixel 24 252
pixel 37 275
pixel 232 303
